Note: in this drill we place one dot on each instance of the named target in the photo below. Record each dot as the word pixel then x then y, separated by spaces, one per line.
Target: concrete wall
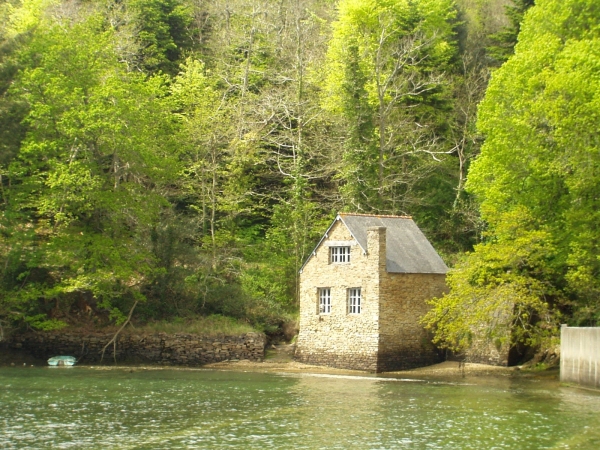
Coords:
pixel 161 348
pixel 580 356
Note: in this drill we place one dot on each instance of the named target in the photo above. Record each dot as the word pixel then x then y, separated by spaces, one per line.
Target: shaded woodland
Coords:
pixel 184 156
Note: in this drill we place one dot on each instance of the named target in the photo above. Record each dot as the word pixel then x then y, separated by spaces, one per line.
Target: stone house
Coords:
pixel 362 292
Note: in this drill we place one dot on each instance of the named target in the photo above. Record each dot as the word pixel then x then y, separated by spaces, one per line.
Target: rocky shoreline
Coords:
pixel 279 359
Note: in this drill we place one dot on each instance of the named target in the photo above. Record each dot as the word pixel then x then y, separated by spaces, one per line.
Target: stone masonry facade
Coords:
pixel 386 335
pixel 339 339
pixel 161 348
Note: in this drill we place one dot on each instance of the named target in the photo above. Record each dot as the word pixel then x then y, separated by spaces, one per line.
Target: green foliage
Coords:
pixel 41 322
pixel 503 42
pixel 272 276
pixel 501 292
pixel 162 30
pixel 26 15
pixel 84 187
pixel 537 177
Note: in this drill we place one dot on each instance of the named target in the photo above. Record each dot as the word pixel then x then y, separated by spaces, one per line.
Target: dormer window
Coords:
pixel 339 254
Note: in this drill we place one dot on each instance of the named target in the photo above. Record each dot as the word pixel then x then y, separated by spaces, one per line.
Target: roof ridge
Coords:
pixel 375 215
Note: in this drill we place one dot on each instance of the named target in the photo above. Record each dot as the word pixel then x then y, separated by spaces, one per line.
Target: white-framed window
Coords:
pixel 354 298
pixel 339 254
pixel 324 300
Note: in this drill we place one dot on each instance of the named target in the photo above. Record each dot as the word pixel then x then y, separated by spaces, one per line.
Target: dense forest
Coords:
pixel 183 156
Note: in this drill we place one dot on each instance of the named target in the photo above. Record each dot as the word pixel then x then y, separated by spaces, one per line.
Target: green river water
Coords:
pixel 84 408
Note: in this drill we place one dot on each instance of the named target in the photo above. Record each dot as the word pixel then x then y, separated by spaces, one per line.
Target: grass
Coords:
pixel 207 326
pixel 541 367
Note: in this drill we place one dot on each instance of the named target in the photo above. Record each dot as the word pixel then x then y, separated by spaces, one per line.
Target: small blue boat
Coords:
pixel 62 361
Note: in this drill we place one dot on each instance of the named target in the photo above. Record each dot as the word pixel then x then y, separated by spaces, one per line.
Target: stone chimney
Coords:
pixel 376 248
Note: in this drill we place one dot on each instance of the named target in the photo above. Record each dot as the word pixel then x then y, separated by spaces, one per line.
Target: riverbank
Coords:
pixel 444 370
pixel 280 359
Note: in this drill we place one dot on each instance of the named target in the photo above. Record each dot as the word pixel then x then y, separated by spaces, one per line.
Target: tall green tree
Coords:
pixel 162 29
pixel 504 41
pixel 86 185
pixel 386 61
pixel 538 172
pixel 265 53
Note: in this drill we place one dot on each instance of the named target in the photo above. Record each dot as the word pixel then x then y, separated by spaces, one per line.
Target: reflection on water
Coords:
pixel 86 408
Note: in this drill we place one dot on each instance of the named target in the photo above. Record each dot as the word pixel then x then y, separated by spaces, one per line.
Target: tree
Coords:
pixel 505 40
pixel 294 145
pixel 456 228
pixel 502 292
pixel 385 79
pixel 162 29
pixel 538 172
pixel 85 187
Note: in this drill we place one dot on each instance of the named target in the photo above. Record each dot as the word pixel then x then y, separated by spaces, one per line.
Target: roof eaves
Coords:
pixel 379 216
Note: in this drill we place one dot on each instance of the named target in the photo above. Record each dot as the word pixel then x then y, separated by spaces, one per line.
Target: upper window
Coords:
pixel 324 301
pixel 354 298
pixel 339 254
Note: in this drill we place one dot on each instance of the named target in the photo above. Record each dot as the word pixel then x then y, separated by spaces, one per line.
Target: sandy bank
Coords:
pixel 448 369
pixel 280 360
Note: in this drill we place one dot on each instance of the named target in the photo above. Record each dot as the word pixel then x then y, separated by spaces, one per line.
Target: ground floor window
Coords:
pixel 354 298
pixel 324 301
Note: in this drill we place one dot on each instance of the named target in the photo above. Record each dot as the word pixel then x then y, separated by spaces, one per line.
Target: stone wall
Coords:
pixel 485 351
pixel 161 348
pixel 403 341
pixel 491 350
pixel 386 335
pixel 339 339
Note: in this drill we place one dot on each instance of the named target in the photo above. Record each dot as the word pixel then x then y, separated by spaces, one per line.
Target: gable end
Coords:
pixel 327 243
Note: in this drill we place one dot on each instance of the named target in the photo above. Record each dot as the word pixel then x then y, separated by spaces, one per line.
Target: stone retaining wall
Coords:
pixel 161 348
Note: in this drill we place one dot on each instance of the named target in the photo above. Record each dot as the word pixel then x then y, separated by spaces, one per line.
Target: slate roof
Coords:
pixel 407 248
